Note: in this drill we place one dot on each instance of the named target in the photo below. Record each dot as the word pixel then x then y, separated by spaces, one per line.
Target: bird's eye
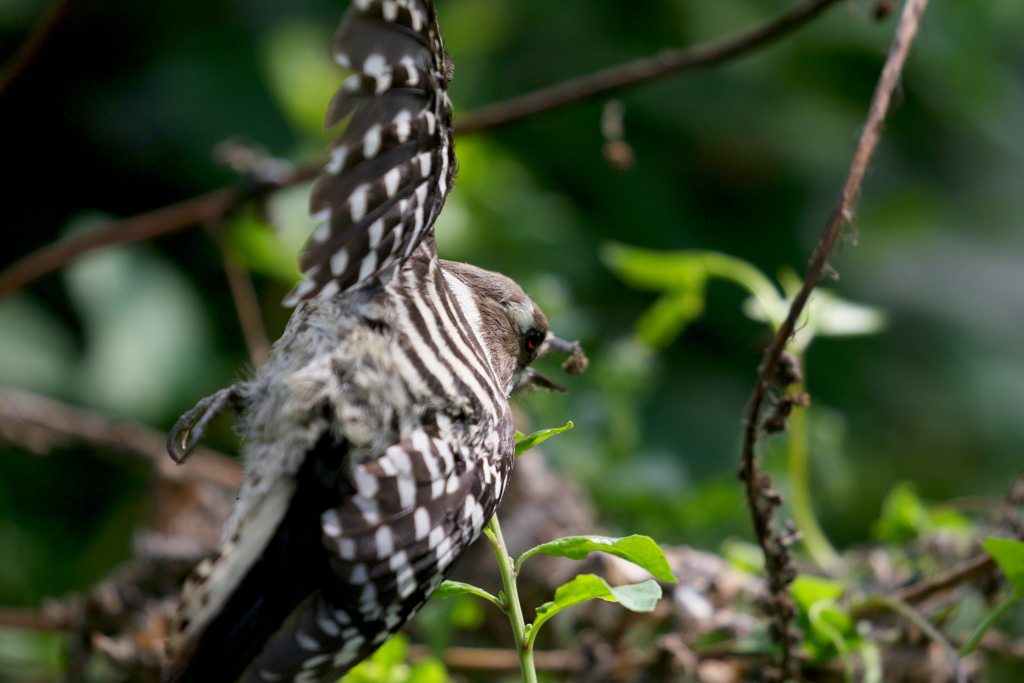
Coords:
pixel 533 338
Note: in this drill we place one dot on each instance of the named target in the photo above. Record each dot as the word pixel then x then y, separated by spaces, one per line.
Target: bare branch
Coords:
pixel 30 48
pixel 217 204
pixel 20 617
pixel 40 425
pixel 640 71
pixel 760 500
pixel 169 219
pixel 965 571
pixel 247 304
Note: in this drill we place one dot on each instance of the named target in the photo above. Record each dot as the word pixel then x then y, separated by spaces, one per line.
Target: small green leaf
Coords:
pixel 830 623
pixel 525 443
pixel 684 277
pixel 669 316
pixel 807 590
pixel 265 250
pixel 429 670
pixel 650 269
pixel 640 597
pixel 466 613
pixel 640 550
pixel 385 665
pixel 830 618
pixel 450 589
pixel 903 517
pixel 1009 555
pixel 743 555
pixel 300 75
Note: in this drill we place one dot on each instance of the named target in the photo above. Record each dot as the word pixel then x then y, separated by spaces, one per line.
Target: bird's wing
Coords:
pixel 213 586
pixel 413 513
pixel 393 165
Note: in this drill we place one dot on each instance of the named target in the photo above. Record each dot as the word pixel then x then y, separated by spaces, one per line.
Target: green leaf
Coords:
pixel 1009 555
pixel 466 613
pixel 268 240
pixel 807 590
pixel 450 589
pixel 640 550
pixel 743 555
pixel 684 275
pixel 429 670
pixel 300 74
pixel 650 269
pixel 669 316
pixel 639 597
pixel 830 618
pixel 386 665
pixel 831 623
pixel 903 517
pixel 826 314
pixel 527 442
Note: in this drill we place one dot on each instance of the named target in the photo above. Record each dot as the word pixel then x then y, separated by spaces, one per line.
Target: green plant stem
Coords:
pixel 512 606
pixel 800 489
pixel 990 621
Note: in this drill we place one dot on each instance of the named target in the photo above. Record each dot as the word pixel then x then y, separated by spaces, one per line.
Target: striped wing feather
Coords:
pixel 392 167
pixel 413 513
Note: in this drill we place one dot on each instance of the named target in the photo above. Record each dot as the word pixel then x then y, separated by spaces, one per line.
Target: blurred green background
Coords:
pixel 121 111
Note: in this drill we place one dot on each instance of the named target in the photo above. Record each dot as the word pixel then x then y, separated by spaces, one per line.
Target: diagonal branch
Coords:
pixel 33 44
pixel 761 500
pixel 247 303
pixel 186 214
pixel 217 204
pixel 640 71
pixel 40 424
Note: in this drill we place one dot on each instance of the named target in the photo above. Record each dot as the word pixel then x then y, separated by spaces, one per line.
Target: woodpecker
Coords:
pixel 378 436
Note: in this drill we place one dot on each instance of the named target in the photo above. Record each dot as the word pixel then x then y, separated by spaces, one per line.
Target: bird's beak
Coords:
pixel 577 361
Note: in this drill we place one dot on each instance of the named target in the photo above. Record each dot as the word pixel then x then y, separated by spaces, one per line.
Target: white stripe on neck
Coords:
pixel 467 303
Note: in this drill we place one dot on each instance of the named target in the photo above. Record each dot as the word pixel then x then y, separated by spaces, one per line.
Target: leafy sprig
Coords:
pixel 639 597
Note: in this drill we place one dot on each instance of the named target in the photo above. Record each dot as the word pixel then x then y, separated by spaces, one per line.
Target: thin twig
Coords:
pixel 762 504
pixel 40 425
pixel 640 71
pixel 167 220
pixel 247 304
pixel 921 622
pixel 965 571
pixel 215 205
pixel 30 48
pixel 18 617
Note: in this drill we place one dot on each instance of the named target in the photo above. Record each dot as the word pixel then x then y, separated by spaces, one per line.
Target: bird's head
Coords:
pixel 513 328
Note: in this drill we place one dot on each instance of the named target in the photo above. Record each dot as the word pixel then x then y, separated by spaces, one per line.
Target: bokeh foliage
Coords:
pixel 121 111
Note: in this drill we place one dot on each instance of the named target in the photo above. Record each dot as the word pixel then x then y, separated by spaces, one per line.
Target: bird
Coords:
pixel 378 437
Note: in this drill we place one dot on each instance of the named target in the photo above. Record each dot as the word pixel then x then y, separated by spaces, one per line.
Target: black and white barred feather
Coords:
pixel 378 434
pixel 393 165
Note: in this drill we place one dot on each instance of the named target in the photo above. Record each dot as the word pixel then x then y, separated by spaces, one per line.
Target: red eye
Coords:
pixel 533 339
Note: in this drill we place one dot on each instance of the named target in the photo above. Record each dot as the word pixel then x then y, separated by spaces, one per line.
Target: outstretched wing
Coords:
pixel 413 513
pixel 393 166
